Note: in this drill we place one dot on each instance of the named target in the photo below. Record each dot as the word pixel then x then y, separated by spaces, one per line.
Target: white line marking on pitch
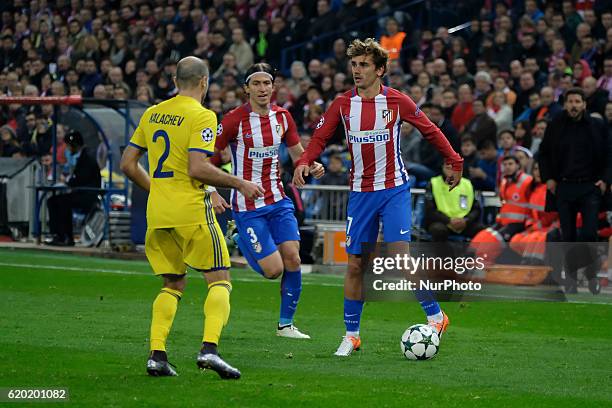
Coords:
pixel 124 272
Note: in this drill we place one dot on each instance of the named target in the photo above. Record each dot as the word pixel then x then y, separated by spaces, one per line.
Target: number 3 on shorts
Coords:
pixel 251 233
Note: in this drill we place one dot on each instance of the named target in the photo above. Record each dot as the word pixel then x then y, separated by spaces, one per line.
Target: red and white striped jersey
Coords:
pixel 254 140
pixel 372 129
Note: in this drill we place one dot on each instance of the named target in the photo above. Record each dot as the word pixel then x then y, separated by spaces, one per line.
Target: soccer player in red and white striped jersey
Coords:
pixel 268 234
pixel 371 115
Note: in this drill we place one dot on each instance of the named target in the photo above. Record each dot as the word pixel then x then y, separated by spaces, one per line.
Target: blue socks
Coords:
pixel 246 252
pixel 428 303
pixel 352 316
pixel 291 288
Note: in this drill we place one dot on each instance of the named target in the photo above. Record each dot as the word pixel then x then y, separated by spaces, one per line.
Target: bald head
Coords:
pixel 189 72
pixel 589 85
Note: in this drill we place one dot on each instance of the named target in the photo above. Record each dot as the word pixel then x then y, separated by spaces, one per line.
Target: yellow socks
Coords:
pixel 164 309
pixel 216 310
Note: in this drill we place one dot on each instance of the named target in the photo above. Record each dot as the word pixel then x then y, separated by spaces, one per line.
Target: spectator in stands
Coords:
pixel 547 99
pixel 227 67
pixel 451 212
pixel 297 24
pixel 526 88
pixel 298 73
pixel 502 48
pixel 500 111
pixel 596 98
pixel 469 153
pixel 522 134
pixel 85 173
pixel 241 50
pixel 532 110
pixel 483 83
pixel 481 126
pixel 99 92
pixel 537 134
pixel 532 10
pixel 418 96
pixel 335 174
pixel 38 138
pixel 9 53
pixel 277 40
pixel 219 47
pixel 394 41
pixel 581 70
pixel 461 75
pixel 484 173
pixel 325 22
pixel 449 102
pixel 605 81
pixel 416 67
pixel 314 71
pixel 463 111
pixel 9 146
pixel 91 77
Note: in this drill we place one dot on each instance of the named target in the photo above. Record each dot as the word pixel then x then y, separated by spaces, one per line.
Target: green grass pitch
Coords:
pixel 83 323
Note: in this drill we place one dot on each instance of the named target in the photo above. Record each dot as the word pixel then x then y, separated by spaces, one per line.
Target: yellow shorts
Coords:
pixel 202 247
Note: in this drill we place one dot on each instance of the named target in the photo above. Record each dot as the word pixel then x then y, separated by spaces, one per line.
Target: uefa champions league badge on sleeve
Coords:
pixel 208 135
pixel 321 122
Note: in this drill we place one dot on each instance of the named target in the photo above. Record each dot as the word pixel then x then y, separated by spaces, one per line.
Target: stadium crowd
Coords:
pixel 492 87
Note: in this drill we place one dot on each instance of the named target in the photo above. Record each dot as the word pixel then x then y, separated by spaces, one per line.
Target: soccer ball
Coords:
pixel 420 342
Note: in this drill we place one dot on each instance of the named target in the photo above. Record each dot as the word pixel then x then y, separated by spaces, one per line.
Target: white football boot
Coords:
pixel 349 343
pixel 292 332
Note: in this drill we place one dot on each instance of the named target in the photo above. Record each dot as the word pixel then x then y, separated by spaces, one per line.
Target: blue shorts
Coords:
pixel 366 209
pixel 265 228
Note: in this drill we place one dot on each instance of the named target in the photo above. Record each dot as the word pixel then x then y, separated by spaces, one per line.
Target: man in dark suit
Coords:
pixel 574 163
pixel 85 173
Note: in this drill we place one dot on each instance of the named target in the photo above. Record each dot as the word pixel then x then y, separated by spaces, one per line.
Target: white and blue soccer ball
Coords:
pixel 420 342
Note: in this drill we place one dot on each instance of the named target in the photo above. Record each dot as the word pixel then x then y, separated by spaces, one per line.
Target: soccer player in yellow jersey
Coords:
pixel 179 136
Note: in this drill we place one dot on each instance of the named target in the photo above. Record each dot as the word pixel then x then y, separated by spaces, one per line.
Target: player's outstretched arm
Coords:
pixel 131 168
pixel 201 169
pixel 411 113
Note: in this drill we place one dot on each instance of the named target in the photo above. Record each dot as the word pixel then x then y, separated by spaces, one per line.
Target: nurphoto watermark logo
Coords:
pixel 457 271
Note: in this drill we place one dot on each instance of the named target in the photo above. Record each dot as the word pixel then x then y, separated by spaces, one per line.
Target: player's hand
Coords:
pixel 251 190
pixel 301 172
pixel 551 185
pixel 219 204
pixel 454 179
pixel 602 186
pixel 317 170
pixel 458 224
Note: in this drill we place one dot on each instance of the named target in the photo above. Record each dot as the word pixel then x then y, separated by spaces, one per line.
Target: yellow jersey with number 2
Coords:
pixel 168 132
